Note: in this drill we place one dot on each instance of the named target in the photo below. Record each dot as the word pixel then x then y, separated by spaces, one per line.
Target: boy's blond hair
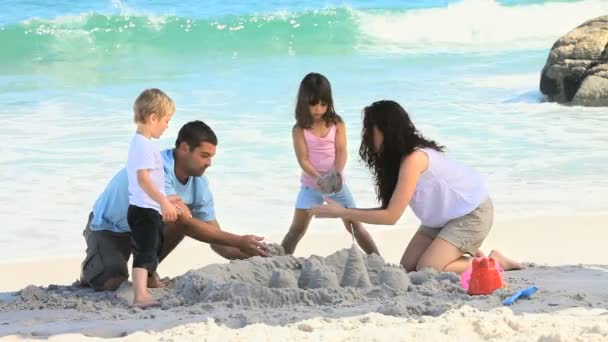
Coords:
pixel 150 101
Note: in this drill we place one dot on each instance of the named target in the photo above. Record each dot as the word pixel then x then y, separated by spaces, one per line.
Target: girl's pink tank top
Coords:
pixel 321 154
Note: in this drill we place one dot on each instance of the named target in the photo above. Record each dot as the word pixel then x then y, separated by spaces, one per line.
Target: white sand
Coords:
pixel 341 296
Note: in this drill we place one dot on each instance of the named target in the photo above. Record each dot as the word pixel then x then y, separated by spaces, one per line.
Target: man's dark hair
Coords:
pixel 194 133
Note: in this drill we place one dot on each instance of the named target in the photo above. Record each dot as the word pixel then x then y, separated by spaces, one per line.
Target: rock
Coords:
pixel 274 249
pixel 330 182
pixel 32 292
pixel 576 71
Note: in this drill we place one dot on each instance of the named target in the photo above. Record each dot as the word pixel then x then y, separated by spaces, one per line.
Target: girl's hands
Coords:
pixel 330 182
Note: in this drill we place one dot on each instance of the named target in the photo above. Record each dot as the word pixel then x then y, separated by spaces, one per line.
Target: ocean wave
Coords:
pixel 467 26
pixel 474 26
pixel 72 38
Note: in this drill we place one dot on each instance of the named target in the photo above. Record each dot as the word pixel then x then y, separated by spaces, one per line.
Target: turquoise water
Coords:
pixel 467 71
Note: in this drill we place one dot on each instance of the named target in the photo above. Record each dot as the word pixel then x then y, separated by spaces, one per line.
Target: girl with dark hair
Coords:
pixel 319 140
pixel 450 199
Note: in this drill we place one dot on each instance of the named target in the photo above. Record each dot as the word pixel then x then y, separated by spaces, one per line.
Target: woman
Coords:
pixel 450 199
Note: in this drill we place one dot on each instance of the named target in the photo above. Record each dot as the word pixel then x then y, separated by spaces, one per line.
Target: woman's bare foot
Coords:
pixel 506 263
pixel 154 281
pixel 480 254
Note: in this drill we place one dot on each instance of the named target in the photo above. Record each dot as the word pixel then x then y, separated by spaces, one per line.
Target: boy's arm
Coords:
pixel 299 146
pixel 143 179
pixel 168 210
pixel 341 150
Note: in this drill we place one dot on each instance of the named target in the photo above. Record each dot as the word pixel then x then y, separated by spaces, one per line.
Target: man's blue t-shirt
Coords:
pixel 110 209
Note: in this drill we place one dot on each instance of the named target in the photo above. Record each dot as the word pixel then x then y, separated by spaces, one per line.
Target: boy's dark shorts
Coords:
pixel 147 236
pixel 106 265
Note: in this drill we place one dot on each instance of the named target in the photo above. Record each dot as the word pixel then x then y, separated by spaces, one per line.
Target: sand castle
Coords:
pixel 284 289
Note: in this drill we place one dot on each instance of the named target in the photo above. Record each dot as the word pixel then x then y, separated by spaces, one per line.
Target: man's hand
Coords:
pixel 252 245
pixel 174 199
pixel 182 210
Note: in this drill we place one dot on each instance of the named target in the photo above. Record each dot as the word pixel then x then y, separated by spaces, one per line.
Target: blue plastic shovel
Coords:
pixel 520 294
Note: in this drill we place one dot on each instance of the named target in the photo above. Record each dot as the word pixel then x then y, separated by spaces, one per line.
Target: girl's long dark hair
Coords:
pixel 401 138
pixel 315 88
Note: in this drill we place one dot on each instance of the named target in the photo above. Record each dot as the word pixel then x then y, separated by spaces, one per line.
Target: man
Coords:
pixel 107 233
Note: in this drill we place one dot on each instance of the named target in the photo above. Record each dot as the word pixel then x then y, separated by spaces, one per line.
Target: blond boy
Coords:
pixel 148 204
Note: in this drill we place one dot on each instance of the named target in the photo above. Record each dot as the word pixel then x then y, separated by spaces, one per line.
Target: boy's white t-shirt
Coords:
pixel 144 154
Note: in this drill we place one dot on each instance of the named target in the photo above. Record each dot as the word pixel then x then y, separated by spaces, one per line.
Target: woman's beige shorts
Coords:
pixel 466 232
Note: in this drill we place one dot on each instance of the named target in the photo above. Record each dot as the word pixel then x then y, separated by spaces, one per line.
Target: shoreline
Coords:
pixel 318 226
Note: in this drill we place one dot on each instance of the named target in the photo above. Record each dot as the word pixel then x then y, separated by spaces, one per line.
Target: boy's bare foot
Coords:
pixel 154 281
pixel 480 254
pixel 145 303
pixel 506 263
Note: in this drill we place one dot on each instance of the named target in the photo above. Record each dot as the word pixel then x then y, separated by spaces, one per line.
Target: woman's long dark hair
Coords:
pixel 315 88
pixel 401 138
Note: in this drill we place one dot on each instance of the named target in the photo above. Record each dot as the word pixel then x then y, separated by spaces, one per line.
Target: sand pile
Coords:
pixel 282 289
pixel 346 281
pixel 347 277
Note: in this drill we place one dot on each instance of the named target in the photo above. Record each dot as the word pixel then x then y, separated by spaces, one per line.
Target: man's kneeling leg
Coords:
pixel 105 266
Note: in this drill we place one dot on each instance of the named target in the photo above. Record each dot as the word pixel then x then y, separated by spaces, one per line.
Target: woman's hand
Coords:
pixel 331 209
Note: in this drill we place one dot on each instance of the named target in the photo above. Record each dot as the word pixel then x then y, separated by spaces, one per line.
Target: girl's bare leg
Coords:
pixel 299 225
pixel 363 237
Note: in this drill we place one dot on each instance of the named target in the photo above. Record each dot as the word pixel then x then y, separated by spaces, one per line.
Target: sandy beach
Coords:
pixel 476 76
pixel 330 291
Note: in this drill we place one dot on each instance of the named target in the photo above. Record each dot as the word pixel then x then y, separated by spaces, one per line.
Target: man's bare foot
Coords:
pixel 145 303
pixel 506 263
pixel 154 281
